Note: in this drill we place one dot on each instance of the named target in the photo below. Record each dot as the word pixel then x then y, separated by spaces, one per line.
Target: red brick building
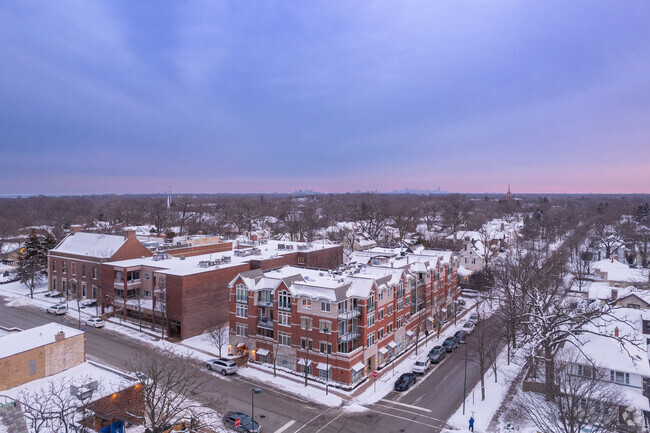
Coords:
pixel 189 294
pixel 340 324
pixel 75 265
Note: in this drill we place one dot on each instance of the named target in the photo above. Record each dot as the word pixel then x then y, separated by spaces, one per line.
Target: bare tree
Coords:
pixel 608 236
pixel 159 214
pixel 218 334
pixel 581 397
pixel 306 343
pixel 56 406
pixel 454 212
pixel 484 348
pixel 173 389
pixel 183 205
pixel 580 267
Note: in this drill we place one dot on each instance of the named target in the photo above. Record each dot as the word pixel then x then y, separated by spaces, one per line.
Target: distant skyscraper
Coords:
pixel 508 194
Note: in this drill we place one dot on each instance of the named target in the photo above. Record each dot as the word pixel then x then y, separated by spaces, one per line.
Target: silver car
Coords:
pixel 223 366
pixel 95 322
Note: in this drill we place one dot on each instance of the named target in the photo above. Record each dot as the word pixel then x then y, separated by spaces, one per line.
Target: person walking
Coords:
pixel 471 423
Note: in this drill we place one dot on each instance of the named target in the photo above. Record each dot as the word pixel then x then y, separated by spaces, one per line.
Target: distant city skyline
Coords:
pixel 126 98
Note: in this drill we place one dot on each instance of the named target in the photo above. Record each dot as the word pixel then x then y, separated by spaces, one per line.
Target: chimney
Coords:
pixel 503 226
pixel 614 294
pixel 59 336
pixel 616 332
pixel 76 228
pixel 129 234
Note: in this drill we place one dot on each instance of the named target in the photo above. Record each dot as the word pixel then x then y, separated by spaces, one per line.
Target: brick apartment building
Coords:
pixel 75 264
pixel 189 293
pixel 340 324
pixel 39 352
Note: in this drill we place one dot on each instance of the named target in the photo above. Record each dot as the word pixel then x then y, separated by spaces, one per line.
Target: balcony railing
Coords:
pixel 268 304
pixel 349 314
pixel 129 282
pixel 372 307
pixel 421 282
pixel 265 323
pixel 349 336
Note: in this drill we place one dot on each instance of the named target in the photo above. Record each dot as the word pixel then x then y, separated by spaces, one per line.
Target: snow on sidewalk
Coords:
pixel 483 411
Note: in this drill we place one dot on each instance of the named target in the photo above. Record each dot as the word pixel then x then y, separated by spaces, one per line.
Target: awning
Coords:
pixel 410 333
pixel 431 319
pixel 392 344
pixel 301 361
pixel 241 345
pixel 444 310
pixel 383 351
pixel 262 352
pixel 323 366
pixel 358 366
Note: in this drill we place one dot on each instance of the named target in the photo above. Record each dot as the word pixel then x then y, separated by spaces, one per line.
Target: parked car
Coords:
pixel 460 336
pixel 405 381
pixel 437 354
pixel 223 366
pixel 473 318
pixel 246 425
pixel 57 309
pixel 88 303
pixel 450 344
pixel 95 322
pixel 422 365
pixel 469 327
pixel 53 294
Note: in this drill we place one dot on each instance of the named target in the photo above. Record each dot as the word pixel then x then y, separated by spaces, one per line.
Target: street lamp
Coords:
pixel 253 392
pixel 327 358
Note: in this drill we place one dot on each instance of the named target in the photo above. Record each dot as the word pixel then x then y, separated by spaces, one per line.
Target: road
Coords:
pixel 423 408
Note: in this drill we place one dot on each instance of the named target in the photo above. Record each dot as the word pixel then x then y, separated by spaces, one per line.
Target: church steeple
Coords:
pixel 508 194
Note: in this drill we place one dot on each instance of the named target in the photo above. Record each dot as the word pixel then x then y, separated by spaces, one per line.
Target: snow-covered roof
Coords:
pixel 18 342
pixel 90 244
pixel 197 264
pixel 609 352
pixel 110 381
pixel 608 265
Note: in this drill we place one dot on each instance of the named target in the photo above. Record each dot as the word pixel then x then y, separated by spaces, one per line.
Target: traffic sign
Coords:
pixel 374 374
pixel 237 422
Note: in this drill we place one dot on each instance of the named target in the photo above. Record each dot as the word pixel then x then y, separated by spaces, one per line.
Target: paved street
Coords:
pixel 423 409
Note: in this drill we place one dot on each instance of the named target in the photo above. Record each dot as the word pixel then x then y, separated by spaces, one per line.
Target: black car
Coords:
pixel 247 425
pixel 460 337
pixel 450 344
pixel 437 354
pixel 405 381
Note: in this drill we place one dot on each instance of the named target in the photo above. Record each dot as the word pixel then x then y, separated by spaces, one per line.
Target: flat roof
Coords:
pixel 197 264
pixel 18 342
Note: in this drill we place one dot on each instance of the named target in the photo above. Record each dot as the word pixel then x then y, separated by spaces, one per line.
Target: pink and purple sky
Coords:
pixel 333 96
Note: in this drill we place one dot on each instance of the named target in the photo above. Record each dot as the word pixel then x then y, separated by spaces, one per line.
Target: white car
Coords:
pixel 95 322
pixel 422 365
pixel 469 327
pixel 57 309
